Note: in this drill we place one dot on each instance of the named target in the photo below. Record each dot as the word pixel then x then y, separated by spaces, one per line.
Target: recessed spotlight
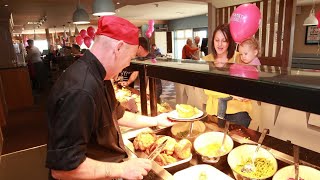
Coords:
pixel 118 3
pixel 6 5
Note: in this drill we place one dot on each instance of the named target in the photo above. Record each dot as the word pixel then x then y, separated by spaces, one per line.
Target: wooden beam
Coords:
pixel 279 32
pixel 271 30
pixel 264 27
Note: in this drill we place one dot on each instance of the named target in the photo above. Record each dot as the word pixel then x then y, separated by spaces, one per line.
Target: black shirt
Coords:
pixel 83 114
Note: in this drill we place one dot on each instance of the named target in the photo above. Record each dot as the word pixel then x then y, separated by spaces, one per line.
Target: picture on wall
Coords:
pixel 312 35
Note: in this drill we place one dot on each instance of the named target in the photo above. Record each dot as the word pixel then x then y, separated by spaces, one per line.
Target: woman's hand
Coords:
pixel 135 168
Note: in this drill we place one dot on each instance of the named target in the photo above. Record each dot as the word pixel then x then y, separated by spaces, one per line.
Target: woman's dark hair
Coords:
pixel 224 28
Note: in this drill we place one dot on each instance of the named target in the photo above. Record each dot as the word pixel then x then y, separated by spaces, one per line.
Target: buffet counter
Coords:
pixel 280 93
pixel 281 150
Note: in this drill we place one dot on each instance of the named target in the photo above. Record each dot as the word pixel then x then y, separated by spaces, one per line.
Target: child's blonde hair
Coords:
pixel 253 43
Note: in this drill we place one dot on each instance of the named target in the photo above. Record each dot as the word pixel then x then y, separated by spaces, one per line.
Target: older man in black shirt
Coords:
pixel 84 116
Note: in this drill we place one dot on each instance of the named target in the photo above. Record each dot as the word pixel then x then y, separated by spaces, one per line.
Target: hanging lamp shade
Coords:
pixel 80 16
pixel 311 19
pixel 76 31
pixel 103 8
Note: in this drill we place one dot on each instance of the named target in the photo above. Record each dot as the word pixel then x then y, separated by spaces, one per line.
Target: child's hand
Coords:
pixel 240 98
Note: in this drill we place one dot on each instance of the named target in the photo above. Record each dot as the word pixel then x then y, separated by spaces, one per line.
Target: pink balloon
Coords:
pixel 151 22
pixel 83 33
pixel 88 41
pixel 148 33
pixel 244 22
pixel 318 17
pixel 245 71
pixel 79 40
pixel 91 31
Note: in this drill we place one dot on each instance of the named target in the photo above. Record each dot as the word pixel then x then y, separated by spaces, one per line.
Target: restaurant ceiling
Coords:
pixel 59 12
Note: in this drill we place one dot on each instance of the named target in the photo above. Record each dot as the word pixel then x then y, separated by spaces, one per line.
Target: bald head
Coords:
pixel 113 54
pixel 197 40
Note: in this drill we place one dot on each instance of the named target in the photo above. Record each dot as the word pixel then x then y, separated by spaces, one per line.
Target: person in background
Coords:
pixel 155 50
pixel 188 50
pixel 182 90
pixel 127 77
pixel 85 141
pixel 249 50
pixel 142 54
pixel 197 54
pixel 75 50
pixel 67 51
pixel 34 57
pixel 223 52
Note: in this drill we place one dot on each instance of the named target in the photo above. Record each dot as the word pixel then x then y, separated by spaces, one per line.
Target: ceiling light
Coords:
pixel 311 19
pixel 118 3
pixel 103 8
pixel 80 16
pixel 6 5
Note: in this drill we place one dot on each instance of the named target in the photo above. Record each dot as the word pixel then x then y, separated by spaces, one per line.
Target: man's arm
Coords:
pixel 92 169
pixel 137 121
pixel 133 77
pixel 132 120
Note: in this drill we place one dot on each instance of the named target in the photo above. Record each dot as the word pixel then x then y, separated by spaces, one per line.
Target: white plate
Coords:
pixel 174 116
pixel 193 173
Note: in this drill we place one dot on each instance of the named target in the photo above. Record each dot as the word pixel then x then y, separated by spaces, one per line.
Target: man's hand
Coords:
pixel 163 120
pixel 123 83
pixel 135 168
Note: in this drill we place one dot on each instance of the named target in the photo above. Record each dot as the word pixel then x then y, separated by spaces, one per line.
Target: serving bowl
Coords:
pixel 305 172
pixel 208 146
pixel 240 155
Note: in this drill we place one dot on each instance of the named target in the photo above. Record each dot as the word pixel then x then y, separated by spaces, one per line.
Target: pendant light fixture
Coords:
pixel 65 36
pixel 80 16
pixel 103 8
pixel 55 33
pixel 76 30
pixel 69 29
pixel 311 20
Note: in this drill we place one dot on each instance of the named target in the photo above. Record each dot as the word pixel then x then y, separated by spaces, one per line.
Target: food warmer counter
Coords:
pixel 293 88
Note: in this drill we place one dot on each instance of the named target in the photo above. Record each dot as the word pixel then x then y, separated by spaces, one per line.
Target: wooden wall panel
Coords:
pixel 271 30
pixel 264 28
pixel 287 32
pixel 280 28
pixel 17 88
pixel 226 15
pixel 3 107
pixel 257 35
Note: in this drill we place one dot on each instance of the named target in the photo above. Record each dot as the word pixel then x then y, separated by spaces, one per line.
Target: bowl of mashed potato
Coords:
pixel 208 145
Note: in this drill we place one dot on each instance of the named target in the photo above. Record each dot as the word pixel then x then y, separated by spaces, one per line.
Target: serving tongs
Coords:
pixel 157 151
pixel 250 167
pixel 296 161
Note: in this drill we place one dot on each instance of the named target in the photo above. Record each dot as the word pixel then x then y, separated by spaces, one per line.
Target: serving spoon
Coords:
pixel 226 128
pixel 249 167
